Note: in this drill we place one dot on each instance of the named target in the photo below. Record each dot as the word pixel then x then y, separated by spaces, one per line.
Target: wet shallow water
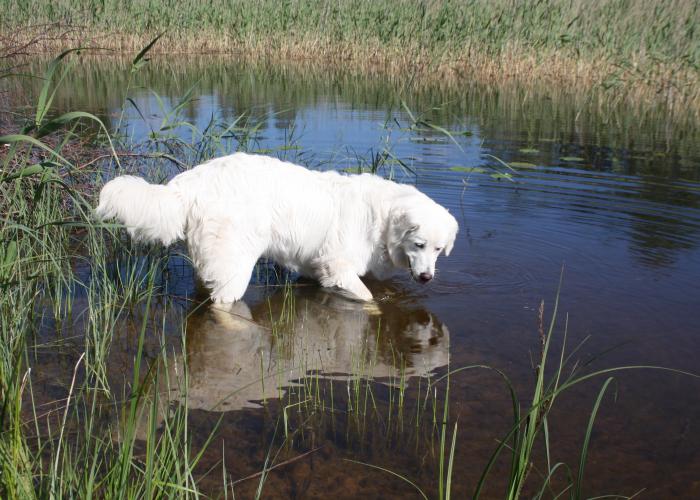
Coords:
pixel 610 196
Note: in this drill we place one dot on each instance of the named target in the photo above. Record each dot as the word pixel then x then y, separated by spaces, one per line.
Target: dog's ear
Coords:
pixel 410 230
pixel 453 235
pixel 448 247
pixel 401 224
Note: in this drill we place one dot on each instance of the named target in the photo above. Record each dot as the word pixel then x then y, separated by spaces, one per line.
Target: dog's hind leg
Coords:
pixel 224 254
pixel 230 287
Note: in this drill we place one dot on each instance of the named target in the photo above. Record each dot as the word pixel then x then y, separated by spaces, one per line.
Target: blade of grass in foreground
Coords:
pixel 403 478
pixel 587 438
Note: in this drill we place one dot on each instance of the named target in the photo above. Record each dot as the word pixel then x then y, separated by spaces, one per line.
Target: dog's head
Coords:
pixel 419 231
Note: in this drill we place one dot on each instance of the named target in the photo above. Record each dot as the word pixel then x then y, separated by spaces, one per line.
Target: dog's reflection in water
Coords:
pixel 240 355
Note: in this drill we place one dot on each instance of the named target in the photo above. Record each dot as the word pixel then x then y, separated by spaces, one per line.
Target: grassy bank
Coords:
pixel 642 50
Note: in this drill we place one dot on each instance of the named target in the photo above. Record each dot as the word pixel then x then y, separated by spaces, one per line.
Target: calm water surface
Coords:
pixel 609 195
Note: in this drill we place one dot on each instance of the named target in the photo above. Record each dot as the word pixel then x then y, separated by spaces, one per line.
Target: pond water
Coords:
pixel 608 196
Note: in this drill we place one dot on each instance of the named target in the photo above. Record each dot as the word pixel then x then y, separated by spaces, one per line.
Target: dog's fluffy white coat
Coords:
pixel 324 225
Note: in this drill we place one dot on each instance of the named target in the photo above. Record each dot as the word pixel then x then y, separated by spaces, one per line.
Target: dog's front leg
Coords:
pixel 340 277
pixel 353 288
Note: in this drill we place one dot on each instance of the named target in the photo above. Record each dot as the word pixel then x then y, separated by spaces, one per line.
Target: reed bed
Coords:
pixel 641 50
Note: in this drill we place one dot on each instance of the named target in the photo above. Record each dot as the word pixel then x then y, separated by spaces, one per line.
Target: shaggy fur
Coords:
pixel 324 225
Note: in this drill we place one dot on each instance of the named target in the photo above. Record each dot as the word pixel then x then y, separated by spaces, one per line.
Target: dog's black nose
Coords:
pixel 425 277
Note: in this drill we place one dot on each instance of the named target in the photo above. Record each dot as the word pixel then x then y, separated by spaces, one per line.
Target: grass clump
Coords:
pixel 91 442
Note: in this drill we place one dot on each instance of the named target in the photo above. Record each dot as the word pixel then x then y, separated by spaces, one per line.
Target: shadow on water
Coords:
pixel 241 355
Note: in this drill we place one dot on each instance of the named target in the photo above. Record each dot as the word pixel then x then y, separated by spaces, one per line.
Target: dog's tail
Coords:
pixel 150 212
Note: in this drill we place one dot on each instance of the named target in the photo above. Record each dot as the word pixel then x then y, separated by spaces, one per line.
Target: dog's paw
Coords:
pixel 354 295
pixel 224 300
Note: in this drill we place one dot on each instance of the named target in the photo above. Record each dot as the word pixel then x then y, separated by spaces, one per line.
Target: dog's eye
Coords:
pixel 420 245
pixel 437 249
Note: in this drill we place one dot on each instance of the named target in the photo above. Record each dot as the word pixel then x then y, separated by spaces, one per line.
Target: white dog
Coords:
pixel 324 225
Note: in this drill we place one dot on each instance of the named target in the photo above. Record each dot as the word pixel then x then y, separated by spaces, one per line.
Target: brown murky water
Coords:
pixel 610 195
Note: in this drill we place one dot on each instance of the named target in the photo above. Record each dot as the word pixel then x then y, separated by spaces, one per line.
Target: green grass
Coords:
pixel 46 228
pixel 620 29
